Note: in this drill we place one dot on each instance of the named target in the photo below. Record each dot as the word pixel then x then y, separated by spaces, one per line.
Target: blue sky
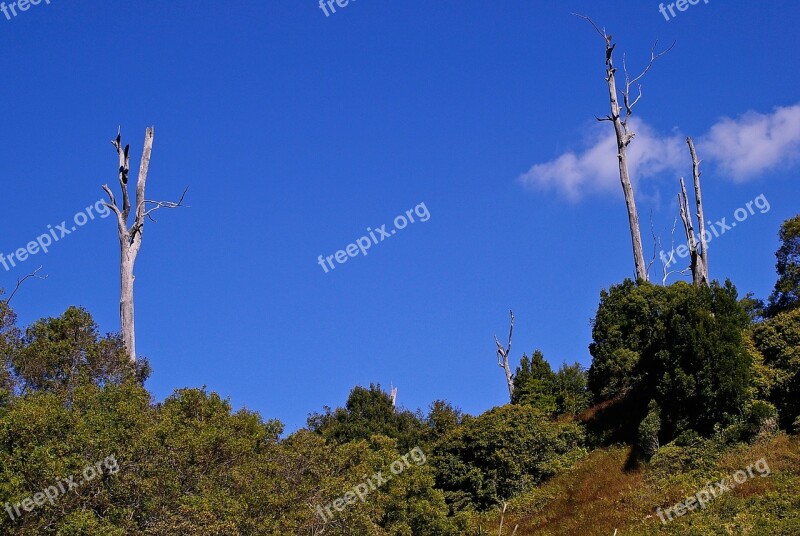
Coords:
pixel 295 132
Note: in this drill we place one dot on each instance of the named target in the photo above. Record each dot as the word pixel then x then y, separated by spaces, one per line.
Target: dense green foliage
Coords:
pixel 190 465
pixel 503 452
pixel 57 354
pixel 683 374
pixel 535 383
pixel 778 341
pixel 8 337
pixel 649 430
pixel 681 346
pixel 786 295
pixel 563 392
pixel 368 412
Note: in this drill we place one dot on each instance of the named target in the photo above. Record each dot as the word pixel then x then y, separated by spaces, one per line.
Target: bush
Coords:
pixel 778 342
pixel 366 413
pixel 503 452
pixel 686 454
pixel 649 429
pixel 564 392
pixel 762 419
pixel 681 346
pixel 535 384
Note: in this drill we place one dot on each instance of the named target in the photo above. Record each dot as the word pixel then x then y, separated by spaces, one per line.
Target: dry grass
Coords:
pixel 593 494
pixel 600 495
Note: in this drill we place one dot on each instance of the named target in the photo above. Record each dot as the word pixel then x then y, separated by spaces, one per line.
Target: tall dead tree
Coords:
pixel 698 246
pixel 502 357
pixel 624 135
pixel 130 238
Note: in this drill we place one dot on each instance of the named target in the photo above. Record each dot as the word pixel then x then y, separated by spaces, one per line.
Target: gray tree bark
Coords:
pixel 703 276
pixel 698 247
pixel 624 137
pixel 502 358
pixel 130 238
pixel 619 118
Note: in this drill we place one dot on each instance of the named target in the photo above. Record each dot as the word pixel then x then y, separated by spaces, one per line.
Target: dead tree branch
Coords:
pixel 670 260
pixel 34 274
pixel 502 357
pixel 626 94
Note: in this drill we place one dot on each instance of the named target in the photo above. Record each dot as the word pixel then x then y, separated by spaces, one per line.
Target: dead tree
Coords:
pixel 502 357
pixel 701 226
pixel 688 227
pixel 624 135
pixel 130 238
pixel 698 248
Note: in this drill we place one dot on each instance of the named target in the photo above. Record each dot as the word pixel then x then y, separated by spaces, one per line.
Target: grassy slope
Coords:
pixel 599 495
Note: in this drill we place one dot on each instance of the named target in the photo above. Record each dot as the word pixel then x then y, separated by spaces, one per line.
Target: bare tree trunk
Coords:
pixel 623 140
pixel 502 358
pixel 698 250
pixel 701 227
pixel 126 302
pixel 619 118
pixel 130 239
pixel 688 226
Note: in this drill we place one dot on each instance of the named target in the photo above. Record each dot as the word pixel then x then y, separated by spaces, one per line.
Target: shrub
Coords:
pixel 778 341
pixel 681 346
pixel 649 429
pixel 503 452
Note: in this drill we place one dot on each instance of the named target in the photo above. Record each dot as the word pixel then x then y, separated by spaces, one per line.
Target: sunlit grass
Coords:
pixel 602 494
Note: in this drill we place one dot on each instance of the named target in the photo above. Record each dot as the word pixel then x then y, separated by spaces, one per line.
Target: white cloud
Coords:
pixel 743 148
pixel 596 168
pixel 754 143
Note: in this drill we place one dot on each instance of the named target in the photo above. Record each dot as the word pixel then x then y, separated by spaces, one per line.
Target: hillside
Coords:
pixel 685 424
pixel 602 494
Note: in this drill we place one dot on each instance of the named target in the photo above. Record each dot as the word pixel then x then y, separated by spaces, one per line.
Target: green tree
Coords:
pixel 366 413
pixel 535 383
pixel 571 389
pixel 778 341
pixel 502 452
pixel 442 418
pixel 562 392
pixel 681 346
pixel 56 354
pixel 786 295
pixel 192 465
pixel 649 430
